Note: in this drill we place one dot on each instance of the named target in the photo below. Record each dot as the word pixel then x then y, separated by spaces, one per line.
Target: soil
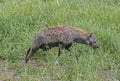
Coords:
pixel 11 72
pixel 1 60
pixel 106 74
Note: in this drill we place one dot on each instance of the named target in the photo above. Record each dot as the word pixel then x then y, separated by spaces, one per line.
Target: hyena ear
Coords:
pixel 90 35
pixel 88 38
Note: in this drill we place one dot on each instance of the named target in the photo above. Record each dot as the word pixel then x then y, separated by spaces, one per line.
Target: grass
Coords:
pixel 21 19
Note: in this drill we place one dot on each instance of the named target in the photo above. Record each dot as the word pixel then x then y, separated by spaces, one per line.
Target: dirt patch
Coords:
pixel 34 63
pixel 14 77
pixel 1 60
pixel 1 71
pixel 53 77
pixel 106 74
pixel 9 75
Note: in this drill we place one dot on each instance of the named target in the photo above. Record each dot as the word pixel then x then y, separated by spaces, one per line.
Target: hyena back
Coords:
pixel 62 37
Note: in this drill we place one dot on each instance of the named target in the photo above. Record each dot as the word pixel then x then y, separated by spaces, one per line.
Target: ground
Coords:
pixel 15 77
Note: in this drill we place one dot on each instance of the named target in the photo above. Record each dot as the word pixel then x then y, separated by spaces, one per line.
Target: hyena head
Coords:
pixel 91 40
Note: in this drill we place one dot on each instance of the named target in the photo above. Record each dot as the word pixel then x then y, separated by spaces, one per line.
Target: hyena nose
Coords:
pixel 97 47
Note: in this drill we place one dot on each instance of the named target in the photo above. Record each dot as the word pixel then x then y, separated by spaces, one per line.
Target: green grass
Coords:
pixel 21 19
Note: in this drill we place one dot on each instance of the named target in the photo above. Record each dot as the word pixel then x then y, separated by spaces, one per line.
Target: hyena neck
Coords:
pixel 79 35
pixel 79 38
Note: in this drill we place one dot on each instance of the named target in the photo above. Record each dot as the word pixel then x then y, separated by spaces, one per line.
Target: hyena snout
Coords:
pixel 92 41
pixel 94 45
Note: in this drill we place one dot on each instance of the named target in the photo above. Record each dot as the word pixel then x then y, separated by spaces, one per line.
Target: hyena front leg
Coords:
pixel 62 46
pixel 68 47
pixel 76 56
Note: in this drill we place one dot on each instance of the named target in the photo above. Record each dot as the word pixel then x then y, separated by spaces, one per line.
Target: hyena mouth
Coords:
pixel 95 47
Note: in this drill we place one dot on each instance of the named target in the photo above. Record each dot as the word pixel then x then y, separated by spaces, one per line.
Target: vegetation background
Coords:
pixel 21 19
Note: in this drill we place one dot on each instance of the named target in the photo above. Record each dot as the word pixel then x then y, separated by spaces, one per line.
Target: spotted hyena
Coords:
pixel 62 37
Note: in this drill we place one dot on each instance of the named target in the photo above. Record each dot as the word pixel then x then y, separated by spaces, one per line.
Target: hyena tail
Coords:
pixel 30 52
pixel 36 44
pixel 27 57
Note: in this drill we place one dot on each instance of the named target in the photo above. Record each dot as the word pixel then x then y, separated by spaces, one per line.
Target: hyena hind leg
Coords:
pixel 60 48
